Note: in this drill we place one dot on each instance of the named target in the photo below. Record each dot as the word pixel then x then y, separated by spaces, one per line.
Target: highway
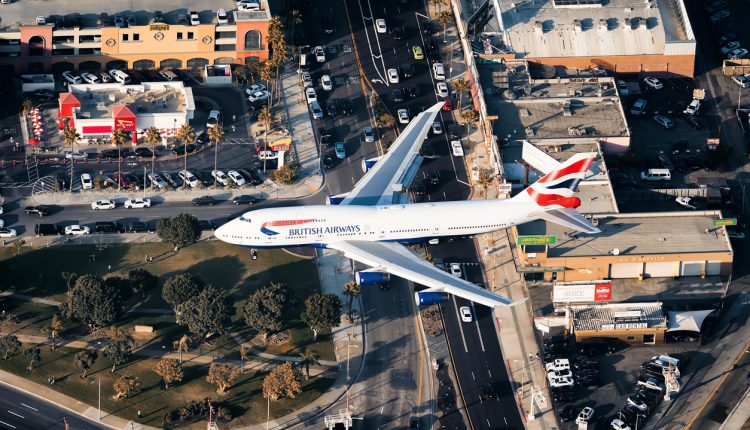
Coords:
pixel 22 411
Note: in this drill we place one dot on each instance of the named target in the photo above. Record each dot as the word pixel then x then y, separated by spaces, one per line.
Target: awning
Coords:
pixel 33 141
pixel 687 320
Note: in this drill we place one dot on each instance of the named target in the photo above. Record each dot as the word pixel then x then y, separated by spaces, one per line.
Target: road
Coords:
pixel 22 411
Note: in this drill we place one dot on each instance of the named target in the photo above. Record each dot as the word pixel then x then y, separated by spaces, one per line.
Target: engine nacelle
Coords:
pixel 427 298
pixel 367 163
pixel 367 277
pixel 335 200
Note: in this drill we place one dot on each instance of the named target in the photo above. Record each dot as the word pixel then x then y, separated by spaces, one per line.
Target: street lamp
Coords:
pixel 99 414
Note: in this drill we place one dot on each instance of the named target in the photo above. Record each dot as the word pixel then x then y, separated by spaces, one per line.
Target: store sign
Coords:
pixel 629 326
pixel 537 240
pixel 283 144
pixel 126 124
pixel 728 221
pixel 158 27
pixel 582 293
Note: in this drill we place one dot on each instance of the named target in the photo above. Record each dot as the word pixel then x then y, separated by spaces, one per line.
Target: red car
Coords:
pixel 448 104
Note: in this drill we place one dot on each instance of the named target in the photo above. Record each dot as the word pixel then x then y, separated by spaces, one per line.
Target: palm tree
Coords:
pixel 252 68
pixel 119 138
pixel 71 137
pixel 26 106
pixel 351 290
pixel 240 74
pixel 215 134
pixel 445 18
pixel 266 74
pixel 186 134
pixel 485 181
pixel 279 57
pixel 265 116
pixel 295 15
pixel 461 85
pixel 153 137
pixel 470 117
pixel 437 4
pixel 308 357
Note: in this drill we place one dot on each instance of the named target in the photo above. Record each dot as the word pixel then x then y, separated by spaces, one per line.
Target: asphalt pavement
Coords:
pixel 23 411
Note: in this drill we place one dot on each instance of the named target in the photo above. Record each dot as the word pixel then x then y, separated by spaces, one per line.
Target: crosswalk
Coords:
pixel 237 141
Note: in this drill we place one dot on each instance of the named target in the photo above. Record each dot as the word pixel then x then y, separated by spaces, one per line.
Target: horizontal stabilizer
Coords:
pixel 567 218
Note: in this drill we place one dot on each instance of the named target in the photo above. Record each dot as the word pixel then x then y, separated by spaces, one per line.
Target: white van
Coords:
pixel 656 175
pixel 304 62
pixel 120 76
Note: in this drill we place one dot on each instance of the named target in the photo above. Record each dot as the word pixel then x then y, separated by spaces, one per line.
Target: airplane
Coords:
pixel 372 224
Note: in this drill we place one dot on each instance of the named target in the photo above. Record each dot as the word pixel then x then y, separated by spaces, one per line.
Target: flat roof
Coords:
pixel 98 100
pixel 597 317
pixel 612 27
pixel 636 234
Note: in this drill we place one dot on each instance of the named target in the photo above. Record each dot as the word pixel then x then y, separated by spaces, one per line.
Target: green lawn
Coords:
pixel 244 398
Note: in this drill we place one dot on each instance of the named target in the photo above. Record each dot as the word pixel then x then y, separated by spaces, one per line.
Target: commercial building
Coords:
pixel 96 110
pixel 634 323
pixel 129 34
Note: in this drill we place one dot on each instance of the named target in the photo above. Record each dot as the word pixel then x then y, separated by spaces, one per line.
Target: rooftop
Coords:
pixel 636 234
pixel 605 317
pixel 98 100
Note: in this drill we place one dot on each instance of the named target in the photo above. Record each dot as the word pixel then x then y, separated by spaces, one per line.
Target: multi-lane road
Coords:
pixel 22 411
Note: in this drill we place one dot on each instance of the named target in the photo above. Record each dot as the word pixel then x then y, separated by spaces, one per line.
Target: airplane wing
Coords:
pixel 400 261
pixel 393 173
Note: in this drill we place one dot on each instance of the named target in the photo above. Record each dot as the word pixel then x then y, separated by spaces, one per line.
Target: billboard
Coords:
pixel 537 240
pixel 582 293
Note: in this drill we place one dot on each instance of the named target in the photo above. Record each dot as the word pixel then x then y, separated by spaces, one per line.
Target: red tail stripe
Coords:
pixel 553 199
pixel 577 167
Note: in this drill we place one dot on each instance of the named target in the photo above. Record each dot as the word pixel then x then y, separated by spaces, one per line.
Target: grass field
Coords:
pixel 244 398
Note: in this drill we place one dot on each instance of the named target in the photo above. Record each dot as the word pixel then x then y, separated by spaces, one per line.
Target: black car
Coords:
pixel 251 176
pixel 418 188
pixel 398 33
pixel 596 347
pixel 326 138
pixel 206 225
pixel 328 160
pixel 407 71
pixel 245 199
pixel 430 43
pixel 46 230
pixel 412 91
pixel 204 201
pixel 486 392
pixel 568 413
pixel 583 365
pixel 454 132
pixel 144 152
pixel 694 122
pixel 173 179
pixel 679 146
pixel 326 24
pixel 331 108
pixel 589 381
pixel 126 152
pixel 552 347
pixel 433 178
pixel 138 227
pixel 203 138
pixel 397 95
pixel 347 107
pixel 587 372
pixel 555 339
pixel 564 397
pixel 110 153
pixel 204 177
pixel 39 210
pixel 103 227
pixel 428 28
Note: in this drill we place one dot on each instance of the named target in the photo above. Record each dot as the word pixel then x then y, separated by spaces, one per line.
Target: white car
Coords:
pixel 71 78
pixel 189 178
pixel 442 89
pixel 213 118
pixel 2 223
pixel 559 374
pixel 248 5
pixel 137 203
pixel 103 204
pixel 325 82
pixel 403 116
pixel 267 155
pixel 221 16
pixel 106 78
pixel 77 230
pixel 86 182
pixel 307 79
pixel 258 96
pixel 558 364
pixel 320 54
pixel 221 177
pixel 254 88
pixel 76 155
pixel 653 83
pixel 90 78
pixel 311 95
pixel 380 26
pixel 456 270
pixel 686 201
pixel 393 76
pixel 457 148
pixel 437 128
pixel 561 382
pixel 693 108
pixel 156 180
pixel 585 415
pixel 6 233
pixel 236 178
pixel 618 424
pixel 465 312
pixel 742 80
pixel 439 71
pixel 194 18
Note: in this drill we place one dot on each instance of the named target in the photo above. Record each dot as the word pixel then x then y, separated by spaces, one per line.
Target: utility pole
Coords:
pixel 99 414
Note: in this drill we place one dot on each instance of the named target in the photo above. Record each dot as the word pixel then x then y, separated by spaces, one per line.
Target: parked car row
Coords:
pixel 104 227
pixel 165 180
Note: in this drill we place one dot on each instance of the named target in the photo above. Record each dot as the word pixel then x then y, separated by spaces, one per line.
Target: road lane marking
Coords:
pixel 11 426
pixel 488 423
pixel 472 376
pixel 19 416
pixel 490 373
pixel 460 326
pixel 476 322
pixel 32 408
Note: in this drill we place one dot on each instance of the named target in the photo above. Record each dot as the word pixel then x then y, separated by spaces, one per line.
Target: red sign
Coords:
pixel 97 129
pixel 602 292
pixel 124 124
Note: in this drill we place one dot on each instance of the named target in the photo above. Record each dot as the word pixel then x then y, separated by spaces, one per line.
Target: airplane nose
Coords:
pixel 221 232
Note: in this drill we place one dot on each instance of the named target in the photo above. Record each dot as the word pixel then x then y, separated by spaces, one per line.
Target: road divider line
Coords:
pixel 11 426
pixel 30 407
pixel 19 416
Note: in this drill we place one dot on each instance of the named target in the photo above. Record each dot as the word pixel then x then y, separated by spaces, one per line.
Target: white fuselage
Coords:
pixel 321 225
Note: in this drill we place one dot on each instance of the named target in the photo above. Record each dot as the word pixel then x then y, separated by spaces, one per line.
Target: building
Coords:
pixel 96 110
pixel 620 36
pixel 129 34
pixel 634 323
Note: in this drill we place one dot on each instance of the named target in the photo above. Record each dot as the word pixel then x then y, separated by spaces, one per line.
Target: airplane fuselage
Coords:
pixel 410 223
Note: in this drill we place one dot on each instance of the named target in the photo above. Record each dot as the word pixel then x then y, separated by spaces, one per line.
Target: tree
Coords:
pixel 126 386
pixel 208 312
pixel 119 138
pixel 286 174
pixel 141 280
pixel 18 246
pixel 90 302
pixel 252 68
pixel 84 360
pixel 437 4
pixel 240 75
pixel 9 345
pixel 308 357
pixel 266 74
pixel 485 181
pixel 265 117
pixel 386 120
pixel 470 117
pixel 445 18
pixel 186 134
pixel 153 138
pixel 284 380
pixel 53 329
pixel 33 356
pixel 119 347
pixel 215 134
pixel 264 310
pixel 461 85
pixel 322 312
pixel 119 287
pixel 71 137
pixel 244 354
pixel 27 106
pixel 179 288
pixel 295 16
pixel 169 371
pixel 351 290
pixel 180 231
pixel 181 345
pixel 222 375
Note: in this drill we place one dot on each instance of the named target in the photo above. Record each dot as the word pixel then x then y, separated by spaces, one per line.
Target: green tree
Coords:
pixel 180 231
pixel 351 290
pixel 470 117
pixel 222 375
pixel 308 357
pixel 207 312
pixel 153 138
pixel 53 329
pixel 445 18
pixel 179 288
pixel 71 137
pixel 9 345
pixel 265 117
pixel 186 134
pixel 322 312
pixel 286 174
pixel 141 280
pixel 90 302
pixel 240 75
pixel 119 347
pixel 170 371
pixel 264 310
pixel 84 360
pixel 119 138
pixel 18 246
pixel 461 85
pixel 126 386
pixel 33 356
pixel 285 380
pixel 118 286
pixel 215 134
pixel 252 68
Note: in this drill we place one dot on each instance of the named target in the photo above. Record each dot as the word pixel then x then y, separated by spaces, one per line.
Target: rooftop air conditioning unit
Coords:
pixel 577 24
pixel 538 27
pixel 603 24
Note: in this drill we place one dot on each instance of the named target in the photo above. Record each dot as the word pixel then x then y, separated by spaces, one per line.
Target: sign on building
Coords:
pixel 582 293
pixel 537 240
pixel 728 221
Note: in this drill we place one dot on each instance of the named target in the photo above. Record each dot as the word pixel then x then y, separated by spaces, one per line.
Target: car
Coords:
pixel 586 365
pixel 76 155
pixel 437 128
pixel 173 179
pixel 194 18
pixel 665 161
pixel 486 392
pixel 618 424
pixel 441 89
pixel 653 83
pixel 414 423
pixel 326 138
pixel 220 177
pixel 248 5
pixel 77 230
pixel 317 111
pixel 695 123
pixel 103 204
pixel 726 38
pixel 203 201
pixel 568 413
pixel 734 234
pixel 258 96
pixel 325 82
pixel 465 314
pixel 213 118
pixel 144 152
pixel 347 107
pixel 664 121
pixel 205 225
pixel 6 233
pixel 156 180
pixel 244 199
pixel 622 86
pixel 729 47
pixel 306 79
pixel 417 52
pixel 320 54
pixel 39 210
pixel 398 33
pixel 86 182
pixel 455 270
pixel 559 364
pixel 403 116
pixel 559 374
pixel 138 227
pixel 438 71
pixel 267 155
pixel 393 76
pixel 90 78
pixel 742 80
pixel 369 134
pixel 328 161
pixel 652 384
pixel 585 415
pixel 137 203
pixel 71 78
pixel 407 71
pixel 46 229
pixel 255 88
pixel 188 178
pixel 447 103
pixel 340 150
pixel 311 95
pixel 326 24
pixel 398 95
pixel 738 53
pixel 331 108
pixel 204 177
pixel 693 108
pixel 457 149
pixel 720 16
pixel 236 178
pixel 380 26
pixel 639 107
pixel 638 403
pixel 561 382
pixel 222 17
